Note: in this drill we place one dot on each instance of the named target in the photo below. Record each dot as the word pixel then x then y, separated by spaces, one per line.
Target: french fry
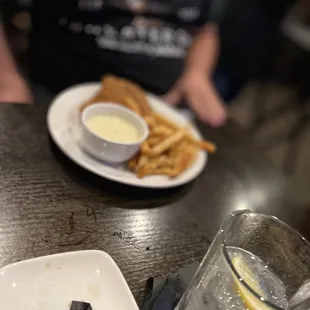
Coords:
pixel 153 140
pixel 150 120
pixel 202 144
pixel 141 173
pixel 132 164
pixel 146 148
pixel 178 158
pixel 167 143
pixel 142 161
pixel 154 164
pixel 187 156
pixel 162 161
pixel 207 146
pixel 161 171
pixel 141 166
pixel 144 169
pixel 175 151
pixel 163 120
pixel 162 131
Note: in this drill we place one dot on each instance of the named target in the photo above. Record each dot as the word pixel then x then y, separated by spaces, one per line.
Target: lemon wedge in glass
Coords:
pixel 250 301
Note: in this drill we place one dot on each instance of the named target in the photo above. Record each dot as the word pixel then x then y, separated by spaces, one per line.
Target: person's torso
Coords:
pixel 145 40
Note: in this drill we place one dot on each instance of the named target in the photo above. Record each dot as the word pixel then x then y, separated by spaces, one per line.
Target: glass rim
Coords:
pixel 228 259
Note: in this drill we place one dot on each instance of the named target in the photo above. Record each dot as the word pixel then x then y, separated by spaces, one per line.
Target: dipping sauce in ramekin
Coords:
pixel 111 132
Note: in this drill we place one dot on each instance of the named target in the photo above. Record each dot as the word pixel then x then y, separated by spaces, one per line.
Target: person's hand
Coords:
pixel 199 92
pixel 14 89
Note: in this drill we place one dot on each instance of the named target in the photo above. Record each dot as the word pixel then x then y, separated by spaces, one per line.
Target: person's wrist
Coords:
pixel 195 71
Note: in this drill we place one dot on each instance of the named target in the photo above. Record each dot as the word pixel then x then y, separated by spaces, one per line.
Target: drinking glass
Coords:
pixel 255 262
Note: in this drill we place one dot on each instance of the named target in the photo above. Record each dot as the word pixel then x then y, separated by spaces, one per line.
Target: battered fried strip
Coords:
pixel 138 94
pixel 132 105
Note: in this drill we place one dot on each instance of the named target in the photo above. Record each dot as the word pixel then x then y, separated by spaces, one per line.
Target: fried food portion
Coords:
pixel 121 91
pixel 170 148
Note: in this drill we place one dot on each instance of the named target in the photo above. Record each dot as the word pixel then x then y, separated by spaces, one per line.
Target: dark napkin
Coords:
pixel 80 305
pixel 166 293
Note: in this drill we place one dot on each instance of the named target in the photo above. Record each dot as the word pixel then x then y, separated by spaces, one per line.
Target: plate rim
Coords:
pixel 108 176
pixel 33 259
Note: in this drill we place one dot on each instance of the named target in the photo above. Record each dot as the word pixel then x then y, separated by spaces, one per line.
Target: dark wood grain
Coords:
pixel 49 205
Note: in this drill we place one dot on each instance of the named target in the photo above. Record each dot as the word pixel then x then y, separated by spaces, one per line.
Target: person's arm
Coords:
pixel 6 60
pixel 12 86
pixel 196 83
pixel 203 55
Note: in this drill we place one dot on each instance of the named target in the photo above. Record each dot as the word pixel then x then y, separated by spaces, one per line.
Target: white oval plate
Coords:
pixel 63 125
pixel 53 282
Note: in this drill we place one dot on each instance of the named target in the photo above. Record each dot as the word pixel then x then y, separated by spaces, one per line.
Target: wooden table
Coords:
pixel 49 205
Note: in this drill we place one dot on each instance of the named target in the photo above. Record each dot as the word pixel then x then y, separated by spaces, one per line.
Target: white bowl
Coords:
pixel 110 151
